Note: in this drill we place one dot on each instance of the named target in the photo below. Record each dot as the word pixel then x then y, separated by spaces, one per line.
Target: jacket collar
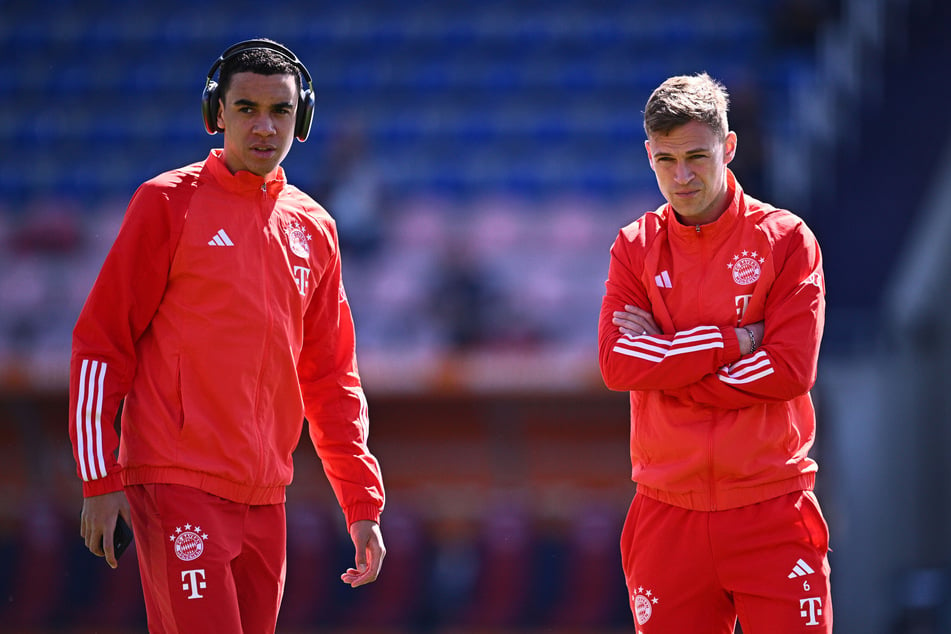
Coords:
pixel 719 227
pixel 242 182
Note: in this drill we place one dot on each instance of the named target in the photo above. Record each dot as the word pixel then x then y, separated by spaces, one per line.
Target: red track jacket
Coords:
pixel 711 429
pixel 220 316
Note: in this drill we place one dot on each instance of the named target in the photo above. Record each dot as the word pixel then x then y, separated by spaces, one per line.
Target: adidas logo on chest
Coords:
pixel 220 239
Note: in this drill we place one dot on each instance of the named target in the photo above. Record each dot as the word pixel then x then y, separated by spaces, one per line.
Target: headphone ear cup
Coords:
pixel 209 107
pixel 305 115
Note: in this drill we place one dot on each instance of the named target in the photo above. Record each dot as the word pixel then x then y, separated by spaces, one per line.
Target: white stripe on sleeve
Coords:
pixel 99 391
pixel 92 462
pixel 80 437
pixel 656 349
pixel 747 370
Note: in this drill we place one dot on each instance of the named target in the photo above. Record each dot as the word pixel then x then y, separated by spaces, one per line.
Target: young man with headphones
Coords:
pixel 220 317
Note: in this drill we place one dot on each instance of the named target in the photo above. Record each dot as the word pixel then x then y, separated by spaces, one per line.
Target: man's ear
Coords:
pixel 650 158
pixel 729 147
pixel 220 119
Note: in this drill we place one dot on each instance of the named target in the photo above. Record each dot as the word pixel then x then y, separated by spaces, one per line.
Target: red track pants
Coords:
pixel 207 564
pixel 697 572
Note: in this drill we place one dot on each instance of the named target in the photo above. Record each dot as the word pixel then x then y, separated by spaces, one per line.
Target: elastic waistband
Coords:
pixel 236 492
pixel 728 498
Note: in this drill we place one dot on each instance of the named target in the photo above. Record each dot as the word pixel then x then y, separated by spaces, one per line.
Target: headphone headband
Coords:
pixel 248 45
pixel 210 95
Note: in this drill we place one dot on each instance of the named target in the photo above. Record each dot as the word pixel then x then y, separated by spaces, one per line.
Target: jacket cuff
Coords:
pixel 731 345
pixel 110 484
pixel 365 511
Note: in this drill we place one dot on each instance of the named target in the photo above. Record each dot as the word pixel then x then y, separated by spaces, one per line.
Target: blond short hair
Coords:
pixel 685 98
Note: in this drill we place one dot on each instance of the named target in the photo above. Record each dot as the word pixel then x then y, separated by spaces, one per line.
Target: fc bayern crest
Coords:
pixel 746 267
pixel 644 602
pixel 298 240
pixel 189 542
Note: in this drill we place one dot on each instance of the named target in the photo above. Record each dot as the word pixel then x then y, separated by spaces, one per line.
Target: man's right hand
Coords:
pixel 635 321
pixel 98 523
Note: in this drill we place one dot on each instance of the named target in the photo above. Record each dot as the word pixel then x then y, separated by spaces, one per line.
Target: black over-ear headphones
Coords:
pixel 305 107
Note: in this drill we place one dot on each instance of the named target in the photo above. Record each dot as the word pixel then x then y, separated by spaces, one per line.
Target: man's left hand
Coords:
pixel 370 551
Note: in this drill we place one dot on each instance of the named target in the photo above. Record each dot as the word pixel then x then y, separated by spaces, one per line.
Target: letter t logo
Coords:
pixel 301 275
pixel 742 303
pixel 811 608
pixel 190 582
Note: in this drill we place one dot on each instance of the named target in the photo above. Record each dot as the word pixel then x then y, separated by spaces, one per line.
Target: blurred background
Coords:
pixel 479 159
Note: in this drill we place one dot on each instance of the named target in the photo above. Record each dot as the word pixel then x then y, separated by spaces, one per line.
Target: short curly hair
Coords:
pixel 685 98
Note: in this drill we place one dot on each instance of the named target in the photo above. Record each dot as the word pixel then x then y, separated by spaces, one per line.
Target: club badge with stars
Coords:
pixel 189 542
pixel 644 603
pixel 746 267
pixel 298 240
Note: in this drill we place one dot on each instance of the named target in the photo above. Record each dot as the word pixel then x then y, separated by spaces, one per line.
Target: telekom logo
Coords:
pixel 191 582
pixel 811 607
pixel 301 275
pixel 742 303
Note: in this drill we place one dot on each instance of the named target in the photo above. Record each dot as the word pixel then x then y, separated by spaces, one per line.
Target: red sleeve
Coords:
pixel 117 311
pixel 652 362
pixel 334 402
pixel 785 365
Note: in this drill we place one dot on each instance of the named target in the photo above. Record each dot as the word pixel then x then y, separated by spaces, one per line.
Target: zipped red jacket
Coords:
pixel 711 429
pixel 220 317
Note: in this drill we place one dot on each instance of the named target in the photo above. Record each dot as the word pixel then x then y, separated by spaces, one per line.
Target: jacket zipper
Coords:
pixel 711 445
pixel 268 322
